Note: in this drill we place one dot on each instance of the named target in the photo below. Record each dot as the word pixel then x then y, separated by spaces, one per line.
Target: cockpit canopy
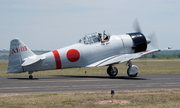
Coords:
pixel 93 38
pixel 90 39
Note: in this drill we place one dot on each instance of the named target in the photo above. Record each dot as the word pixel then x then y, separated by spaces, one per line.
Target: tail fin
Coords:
pixel 18 52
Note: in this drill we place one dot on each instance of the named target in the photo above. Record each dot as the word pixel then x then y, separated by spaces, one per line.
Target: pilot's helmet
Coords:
pixel 99 34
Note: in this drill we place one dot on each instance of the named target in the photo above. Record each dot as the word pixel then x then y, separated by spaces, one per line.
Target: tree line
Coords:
pixel 159 55
pixel 4 54
pixel 169 54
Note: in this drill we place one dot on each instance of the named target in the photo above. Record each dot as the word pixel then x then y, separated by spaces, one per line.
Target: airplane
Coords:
pixel 89 51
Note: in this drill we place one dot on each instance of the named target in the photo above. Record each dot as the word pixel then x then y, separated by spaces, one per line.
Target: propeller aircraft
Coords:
pixel 89 51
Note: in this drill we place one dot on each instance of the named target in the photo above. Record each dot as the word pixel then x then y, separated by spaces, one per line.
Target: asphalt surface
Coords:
pixel 86 83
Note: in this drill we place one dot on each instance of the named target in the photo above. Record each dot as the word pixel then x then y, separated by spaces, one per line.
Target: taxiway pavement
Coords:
pixel 86 83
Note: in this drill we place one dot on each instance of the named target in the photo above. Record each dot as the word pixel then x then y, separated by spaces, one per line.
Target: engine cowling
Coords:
pixel 140 43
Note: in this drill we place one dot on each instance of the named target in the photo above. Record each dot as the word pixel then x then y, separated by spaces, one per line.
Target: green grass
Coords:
pixel 149 66
pixel 125 99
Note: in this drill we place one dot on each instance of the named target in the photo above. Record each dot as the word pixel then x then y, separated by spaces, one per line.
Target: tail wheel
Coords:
pixel 112 71
pixel 30 77
pixel 132 71
pixel 30 74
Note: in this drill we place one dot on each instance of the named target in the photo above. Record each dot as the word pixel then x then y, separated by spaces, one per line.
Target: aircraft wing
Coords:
pixel 121 58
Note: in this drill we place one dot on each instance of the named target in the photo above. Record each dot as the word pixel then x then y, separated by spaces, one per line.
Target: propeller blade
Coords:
pixel 153 38
pixel 136 26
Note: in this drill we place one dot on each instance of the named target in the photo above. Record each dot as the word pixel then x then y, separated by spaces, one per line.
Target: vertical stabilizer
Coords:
pixel 18 52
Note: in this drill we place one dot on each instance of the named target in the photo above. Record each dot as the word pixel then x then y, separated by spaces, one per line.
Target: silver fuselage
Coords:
pixel 88 54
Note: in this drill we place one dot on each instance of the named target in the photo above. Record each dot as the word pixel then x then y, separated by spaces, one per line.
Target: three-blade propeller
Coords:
pixel 151 39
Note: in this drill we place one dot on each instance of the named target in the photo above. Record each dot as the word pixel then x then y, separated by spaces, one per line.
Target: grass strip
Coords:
pixel 126 99
pixel 146 66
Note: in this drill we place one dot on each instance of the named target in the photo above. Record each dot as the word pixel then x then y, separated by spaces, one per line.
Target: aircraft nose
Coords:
pixel 148 40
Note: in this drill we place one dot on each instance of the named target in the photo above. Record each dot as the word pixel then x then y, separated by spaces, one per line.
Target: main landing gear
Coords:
pixel 30 75
pixel 112 71
pixel 132 71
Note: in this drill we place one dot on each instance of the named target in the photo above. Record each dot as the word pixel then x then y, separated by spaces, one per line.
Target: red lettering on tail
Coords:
pixel 21 49
pixel 13 51
pixel 25 49
pixel 17 50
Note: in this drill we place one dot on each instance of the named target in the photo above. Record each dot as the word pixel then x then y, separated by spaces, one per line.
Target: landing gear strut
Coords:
pixel 30 75
pixel 132 70
pixel 112 71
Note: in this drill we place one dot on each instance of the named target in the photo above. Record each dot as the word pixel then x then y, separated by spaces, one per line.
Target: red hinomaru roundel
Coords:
pixel 73 55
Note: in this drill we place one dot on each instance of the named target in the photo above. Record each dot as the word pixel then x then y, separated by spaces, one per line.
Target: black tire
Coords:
pixel 132 75
pixel 112 71
pixel 30 77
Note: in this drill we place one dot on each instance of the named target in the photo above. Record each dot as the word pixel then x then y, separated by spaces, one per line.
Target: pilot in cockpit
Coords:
pixel 100 36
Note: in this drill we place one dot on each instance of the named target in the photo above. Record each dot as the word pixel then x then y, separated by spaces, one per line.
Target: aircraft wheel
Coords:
pixel 30 77
pixel 133 71
pixel 112 71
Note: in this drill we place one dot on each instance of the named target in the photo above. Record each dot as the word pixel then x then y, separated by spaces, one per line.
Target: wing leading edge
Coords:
pixel 122 58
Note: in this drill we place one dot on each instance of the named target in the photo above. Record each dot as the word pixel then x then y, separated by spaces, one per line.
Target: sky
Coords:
pixel 54 24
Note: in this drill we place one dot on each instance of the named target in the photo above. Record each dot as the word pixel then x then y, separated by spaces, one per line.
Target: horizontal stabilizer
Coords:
pixel 32 60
